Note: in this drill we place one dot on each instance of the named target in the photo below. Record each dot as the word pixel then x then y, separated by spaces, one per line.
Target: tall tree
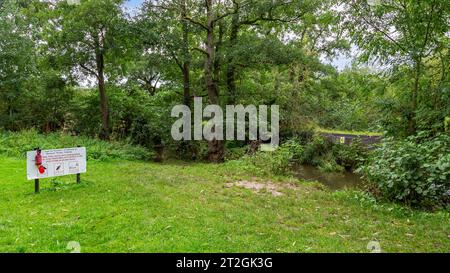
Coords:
pixel 175 46
pixel 250 13
pixel 401 33
pixel 17 63
pixel 88 37
pixel 213 11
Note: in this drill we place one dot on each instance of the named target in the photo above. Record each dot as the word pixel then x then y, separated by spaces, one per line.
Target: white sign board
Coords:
pixel 57 162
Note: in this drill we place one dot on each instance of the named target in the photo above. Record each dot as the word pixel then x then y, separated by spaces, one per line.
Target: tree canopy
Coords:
pixel 92 68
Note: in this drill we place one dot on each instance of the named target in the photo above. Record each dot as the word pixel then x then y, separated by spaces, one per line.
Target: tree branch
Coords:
pixel 89 70
pixel 224 15
pixel 196 22
pixel 428 29
pixel 176 60
pixel 200 50
pixel 380 30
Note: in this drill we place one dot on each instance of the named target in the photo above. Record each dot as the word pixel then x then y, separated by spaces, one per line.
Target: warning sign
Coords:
pixel 50 163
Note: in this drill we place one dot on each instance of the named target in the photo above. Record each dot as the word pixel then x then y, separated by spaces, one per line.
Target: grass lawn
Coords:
pixel 356 133
pixel 132 206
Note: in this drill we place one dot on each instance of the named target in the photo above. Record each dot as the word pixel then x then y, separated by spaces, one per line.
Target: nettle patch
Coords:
pixel 415 171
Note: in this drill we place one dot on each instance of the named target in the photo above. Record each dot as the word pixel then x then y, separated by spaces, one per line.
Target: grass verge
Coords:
pixel 356 133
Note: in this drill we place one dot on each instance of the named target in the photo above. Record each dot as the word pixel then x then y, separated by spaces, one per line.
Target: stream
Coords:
pixel 334 181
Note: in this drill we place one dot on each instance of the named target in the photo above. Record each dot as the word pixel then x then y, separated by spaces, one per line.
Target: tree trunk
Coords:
pixel 411 117
pixel 217 57
pixel 216 151
pixel 186 58
pixel 231 69
pixel 104 133
pixel 215 147
pixel 209 62
pixel 186 85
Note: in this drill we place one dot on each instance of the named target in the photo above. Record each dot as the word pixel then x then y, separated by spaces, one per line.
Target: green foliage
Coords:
pixel 447 124
pixel 350 156
pixel 278 162
pixel 52 54
pixel 345 101
pixel 235 153
pixel 304 149
pixel 189 150
pixel 331 157
pixel 316 151
pixel 415 171
pixel 395 105
pixel 411 37
pixel 141 132
pixel 17 144
pixel 49 49
pixel 17 65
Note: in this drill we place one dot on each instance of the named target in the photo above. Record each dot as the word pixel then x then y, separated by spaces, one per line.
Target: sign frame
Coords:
pixel 56 162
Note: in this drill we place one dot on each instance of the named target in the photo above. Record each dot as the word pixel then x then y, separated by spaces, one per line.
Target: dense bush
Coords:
pixel 17 144
pixel 235 153
pixel 278 162
pixel 316 151
pixel 350 156
pixel 188 150
pixel 415 171
pixel 303 136
pixel 333 157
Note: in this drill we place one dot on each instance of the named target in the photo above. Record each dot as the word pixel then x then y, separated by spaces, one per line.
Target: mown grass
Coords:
pixel 132 206
pixel 356 133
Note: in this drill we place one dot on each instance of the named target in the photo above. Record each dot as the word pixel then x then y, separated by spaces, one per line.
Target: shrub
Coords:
pixel 333 157
pixel 141 133
pixel 316 150
pixel 318 153
pixel 278 162
pixel 303 136
pixel 235 153
pixel 188 150
pixel 18 143
pixel 350 156
pixel 415 171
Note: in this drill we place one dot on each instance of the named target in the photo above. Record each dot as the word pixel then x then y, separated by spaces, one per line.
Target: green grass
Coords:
pixel 16 144
pixel 132 206
pixel 357 133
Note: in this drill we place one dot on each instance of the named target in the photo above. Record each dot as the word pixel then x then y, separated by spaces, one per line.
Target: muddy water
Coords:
pixel 334 181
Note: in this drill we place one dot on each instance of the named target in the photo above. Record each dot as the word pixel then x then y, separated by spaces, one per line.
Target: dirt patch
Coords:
pixel 256 186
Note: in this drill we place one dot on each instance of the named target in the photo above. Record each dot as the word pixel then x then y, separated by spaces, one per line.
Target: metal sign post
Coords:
pixel 36 185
